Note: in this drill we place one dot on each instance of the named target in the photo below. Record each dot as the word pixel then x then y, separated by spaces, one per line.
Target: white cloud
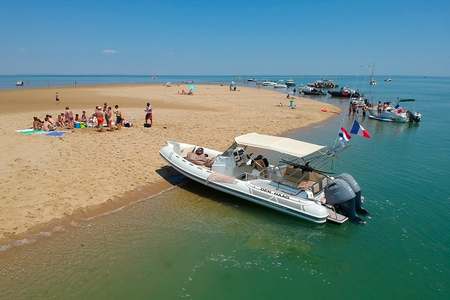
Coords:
pixel 110 51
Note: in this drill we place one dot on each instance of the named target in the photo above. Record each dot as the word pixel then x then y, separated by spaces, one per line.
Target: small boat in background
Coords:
pixel 323 84
pixel 388 113
pixel 310 91
pixel 388 80
pixel 345 93
pixel 290 83
pixel 372 80
pixel 280 85
pixel 251 80
pixel 20 83
pixel 269 83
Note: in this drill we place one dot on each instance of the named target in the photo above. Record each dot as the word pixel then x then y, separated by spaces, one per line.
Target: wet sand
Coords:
pixel 46 180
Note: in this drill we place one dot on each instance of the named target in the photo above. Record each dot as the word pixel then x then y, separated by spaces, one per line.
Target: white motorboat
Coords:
pixel 269 83
pixel 274 172
pixel 290 83
pixel 280 85
pixel 388 113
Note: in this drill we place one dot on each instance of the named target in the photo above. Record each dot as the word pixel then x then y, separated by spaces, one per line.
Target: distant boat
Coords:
pixel 372 80
pixel 251 80
pixel 290 83
pixel 311 91
pixel 19 83
pixel 323 84
pixel 388 80
pixel 269 83
pixel 345 93
pixel 280 85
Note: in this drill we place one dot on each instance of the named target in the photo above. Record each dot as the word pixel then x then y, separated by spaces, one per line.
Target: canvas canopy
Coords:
pixel 279 144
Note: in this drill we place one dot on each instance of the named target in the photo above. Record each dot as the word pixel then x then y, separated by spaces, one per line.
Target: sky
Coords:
pixel 225 37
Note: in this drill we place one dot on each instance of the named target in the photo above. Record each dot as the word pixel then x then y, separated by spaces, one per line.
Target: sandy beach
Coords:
pixel 43 179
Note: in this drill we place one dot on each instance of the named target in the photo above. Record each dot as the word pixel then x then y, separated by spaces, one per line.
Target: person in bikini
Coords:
pixel 108 117
pixel 100 117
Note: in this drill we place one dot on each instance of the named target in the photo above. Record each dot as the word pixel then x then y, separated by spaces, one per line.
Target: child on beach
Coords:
pixel 148 115
pixel 83 118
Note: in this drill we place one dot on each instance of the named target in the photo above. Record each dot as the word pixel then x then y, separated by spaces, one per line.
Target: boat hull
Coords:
pixel 312 212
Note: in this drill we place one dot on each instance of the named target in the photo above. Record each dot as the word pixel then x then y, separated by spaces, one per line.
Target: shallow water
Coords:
pixel 196 243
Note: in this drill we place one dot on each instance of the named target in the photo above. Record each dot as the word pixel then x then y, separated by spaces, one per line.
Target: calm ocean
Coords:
pixel 195 243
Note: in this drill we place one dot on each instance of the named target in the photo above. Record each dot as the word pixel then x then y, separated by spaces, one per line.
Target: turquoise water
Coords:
pixel 195 243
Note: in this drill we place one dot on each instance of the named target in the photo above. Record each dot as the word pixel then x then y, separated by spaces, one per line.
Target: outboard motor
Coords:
pixel 356 188
pixel 414 116
pixel 341 195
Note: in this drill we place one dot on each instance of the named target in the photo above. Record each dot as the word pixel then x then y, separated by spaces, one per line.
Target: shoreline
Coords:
pixel 122 199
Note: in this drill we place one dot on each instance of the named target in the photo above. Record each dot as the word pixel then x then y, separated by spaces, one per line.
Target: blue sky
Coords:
pixel 225 37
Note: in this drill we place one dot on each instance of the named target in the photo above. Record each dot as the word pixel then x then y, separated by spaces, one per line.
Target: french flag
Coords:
pixel 358 129
pixel 344 134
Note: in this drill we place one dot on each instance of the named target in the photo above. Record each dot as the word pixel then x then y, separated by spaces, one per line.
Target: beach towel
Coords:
pixel 30 131
pixel 55 133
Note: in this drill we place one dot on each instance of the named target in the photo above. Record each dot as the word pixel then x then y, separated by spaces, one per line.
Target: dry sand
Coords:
pixel 45 178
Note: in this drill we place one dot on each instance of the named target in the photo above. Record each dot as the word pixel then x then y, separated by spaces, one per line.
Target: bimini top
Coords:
pixel 278 144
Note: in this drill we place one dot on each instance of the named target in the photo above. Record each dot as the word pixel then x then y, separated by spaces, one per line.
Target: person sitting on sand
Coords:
pixel 51 121
pixel 47 126
pixel 83 118
pixel 100 117
pixel 60 122
pixel 68 116
pixel 148 115
pixel 37 123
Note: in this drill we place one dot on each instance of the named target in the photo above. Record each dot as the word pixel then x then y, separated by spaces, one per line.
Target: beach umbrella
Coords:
pixel 191 87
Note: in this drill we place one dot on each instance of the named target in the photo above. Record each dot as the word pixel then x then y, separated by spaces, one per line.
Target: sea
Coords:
pixel 195 243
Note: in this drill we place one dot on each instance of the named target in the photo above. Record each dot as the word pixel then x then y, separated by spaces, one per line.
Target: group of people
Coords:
pixel 68 120
pixel 64 120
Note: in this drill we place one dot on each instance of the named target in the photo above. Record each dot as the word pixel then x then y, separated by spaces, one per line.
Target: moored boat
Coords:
pixel 310 91
pixel 388 113
pixel 290 83
pixel 345 92
pixel 274 172
pixel 323 84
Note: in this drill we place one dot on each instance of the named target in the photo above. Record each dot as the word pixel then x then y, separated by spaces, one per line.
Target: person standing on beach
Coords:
pixel 68 115
pixel 57 97
pixel 118 115
pixel 105 107
pixel 99 115
pixel 108 117
pixel 148 115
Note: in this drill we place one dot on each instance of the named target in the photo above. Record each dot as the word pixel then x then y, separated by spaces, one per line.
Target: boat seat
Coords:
pixel 184 152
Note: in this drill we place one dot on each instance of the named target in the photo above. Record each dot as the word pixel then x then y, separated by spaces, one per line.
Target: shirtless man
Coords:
pixel 47 126
pixel 148 115
pixel 200 158
pixel 37 124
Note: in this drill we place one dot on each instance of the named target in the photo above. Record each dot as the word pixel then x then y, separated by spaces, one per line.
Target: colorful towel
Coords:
pixel 41 132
